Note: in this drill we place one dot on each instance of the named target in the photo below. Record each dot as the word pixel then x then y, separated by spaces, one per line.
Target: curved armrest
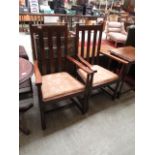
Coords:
pixel 81 66
pixel 87 64
pixel 37 73
pixel 72 33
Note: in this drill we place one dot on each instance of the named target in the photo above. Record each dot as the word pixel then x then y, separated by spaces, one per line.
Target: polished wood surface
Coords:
pixel 105 50
pixel 25 70
pixel 125 56
pixel 127 53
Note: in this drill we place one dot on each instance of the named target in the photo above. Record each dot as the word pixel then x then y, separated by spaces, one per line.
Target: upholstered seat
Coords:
pixel 118 37
pixel 102 76
pixel 116 32
pixel 58 85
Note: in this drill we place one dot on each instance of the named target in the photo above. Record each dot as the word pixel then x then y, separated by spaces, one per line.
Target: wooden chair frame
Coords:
pixel 39 30
pixel 89 62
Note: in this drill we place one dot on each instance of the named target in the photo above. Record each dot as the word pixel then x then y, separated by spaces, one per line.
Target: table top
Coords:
pixel 127 53
pixel 124 55
pixel 25 70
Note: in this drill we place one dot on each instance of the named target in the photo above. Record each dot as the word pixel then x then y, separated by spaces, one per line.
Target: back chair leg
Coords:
pixel 85 104
pixel 115 91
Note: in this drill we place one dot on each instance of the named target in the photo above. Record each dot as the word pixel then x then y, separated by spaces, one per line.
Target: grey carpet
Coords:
pixel 107 129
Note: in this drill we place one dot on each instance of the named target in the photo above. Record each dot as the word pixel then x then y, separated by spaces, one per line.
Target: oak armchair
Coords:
pixel 88 51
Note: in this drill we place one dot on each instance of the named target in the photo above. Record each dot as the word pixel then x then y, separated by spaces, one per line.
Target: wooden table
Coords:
pixel 124 55
pixel 25 72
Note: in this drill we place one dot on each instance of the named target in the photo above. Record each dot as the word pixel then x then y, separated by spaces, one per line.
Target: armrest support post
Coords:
pixel 37 73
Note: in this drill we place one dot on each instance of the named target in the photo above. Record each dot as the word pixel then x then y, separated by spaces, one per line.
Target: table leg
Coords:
pixel 124 70
pixel 22 125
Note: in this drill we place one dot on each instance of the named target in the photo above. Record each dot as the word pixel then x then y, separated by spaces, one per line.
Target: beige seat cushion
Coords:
pixel 114 24
pixel 118 37
pixel 101 77
pixel 58 85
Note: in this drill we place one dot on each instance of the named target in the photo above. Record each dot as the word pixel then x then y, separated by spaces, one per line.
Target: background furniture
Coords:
pixel 25 88
pixel 55 82
pixel 131 36
pixel 88 53
pixel 130 78
pixel 115 31
pixel 126 57
pixel 25 92
pixel 38 18
pixel 113 17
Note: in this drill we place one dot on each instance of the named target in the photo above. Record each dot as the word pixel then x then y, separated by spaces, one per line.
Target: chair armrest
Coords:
pixel 72 33
pixel 86 63
pixel 81 66
pixel 37 73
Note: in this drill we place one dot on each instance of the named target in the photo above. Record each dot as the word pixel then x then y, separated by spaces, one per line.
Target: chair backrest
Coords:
pixel 113 17
pixel 114 26
pixel 49 44
pixel 88 41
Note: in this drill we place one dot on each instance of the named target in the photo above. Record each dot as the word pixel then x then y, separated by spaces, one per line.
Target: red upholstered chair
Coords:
pixel 52 67
pixel 115 31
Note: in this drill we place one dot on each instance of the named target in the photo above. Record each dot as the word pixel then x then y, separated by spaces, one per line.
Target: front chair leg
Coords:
pixel 42 114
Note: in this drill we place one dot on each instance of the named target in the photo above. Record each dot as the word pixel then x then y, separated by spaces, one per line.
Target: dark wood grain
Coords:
pixel 51 55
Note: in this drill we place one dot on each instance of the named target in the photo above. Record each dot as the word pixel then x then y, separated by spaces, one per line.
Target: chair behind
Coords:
pixel 89 46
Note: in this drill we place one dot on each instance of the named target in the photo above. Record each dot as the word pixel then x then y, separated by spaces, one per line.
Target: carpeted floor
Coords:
pixel 107 129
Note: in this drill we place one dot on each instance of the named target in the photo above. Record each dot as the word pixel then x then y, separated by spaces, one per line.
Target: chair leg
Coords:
pixel 42 114
pixel 42 111
pixel 86 104
pixel 43 123
pixel 22 125
pixel 115 91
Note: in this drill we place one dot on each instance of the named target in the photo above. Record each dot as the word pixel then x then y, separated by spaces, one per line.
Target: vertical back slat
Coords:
pixel 88 45
pixel 51 52
pixel 94 46
pixel 77 39
pixel 42 51
pixel 99 45
pixel 82 43
pixel 65 46
pixel 59 51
